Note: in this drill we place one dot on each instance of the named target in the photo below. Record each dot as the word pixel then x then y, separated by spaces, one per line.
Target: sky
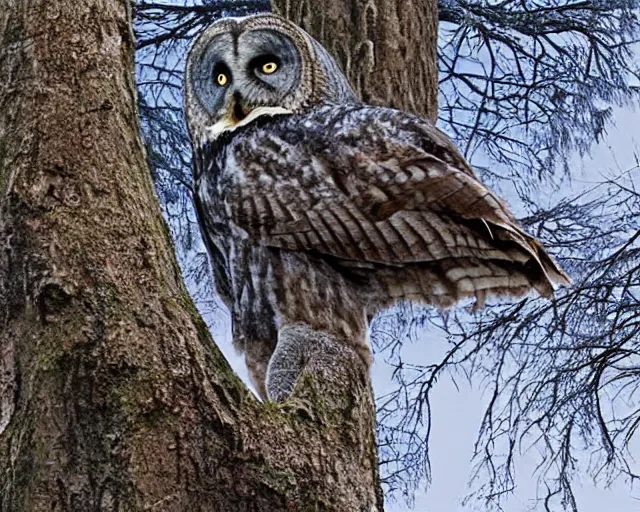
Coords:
pixel 457 411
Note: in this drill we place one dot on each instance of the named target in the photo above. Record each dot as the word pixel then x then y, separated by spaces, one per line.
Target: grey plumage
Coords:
pixel 320 210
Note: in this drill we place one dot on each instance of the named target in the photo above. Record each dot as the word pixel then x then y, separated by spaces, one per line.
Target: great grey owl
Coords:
pixel 319 210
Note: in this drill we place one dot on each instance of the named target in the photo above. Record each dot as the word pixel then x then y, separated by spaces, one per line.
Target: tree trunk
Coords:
pixel 112 394
pixel 387 48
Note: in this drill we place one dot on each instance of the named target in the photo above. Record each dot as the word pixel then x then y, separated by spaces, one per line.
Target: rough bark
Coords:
pixel 113 395
pixel 386 47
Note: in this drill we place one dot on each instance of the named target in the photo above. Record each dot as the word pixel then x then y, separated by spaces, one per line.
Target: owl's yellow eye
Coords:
pixel 269 68
pixel 222 79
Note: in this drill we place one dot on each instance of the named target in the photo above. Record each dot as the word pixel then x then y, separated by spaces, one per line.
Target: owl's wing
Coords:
pixel 405 205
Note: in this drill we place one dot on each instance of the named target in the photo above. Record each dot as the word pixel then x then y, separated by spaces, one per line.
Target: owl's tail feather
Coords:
pixel 446 282
pixel 520 266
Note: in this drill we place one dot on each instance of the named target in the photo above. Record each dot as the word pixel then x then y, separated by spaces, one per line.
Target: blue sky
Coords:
pixel 457 410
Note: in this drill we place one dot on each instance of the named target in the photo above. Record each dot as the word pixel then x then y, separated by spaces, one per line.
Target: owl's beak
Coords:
pixel 237 108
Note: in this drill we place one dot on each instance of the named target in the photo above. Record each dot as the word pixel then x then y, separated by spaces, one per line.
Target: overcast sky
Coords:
pixel 457 414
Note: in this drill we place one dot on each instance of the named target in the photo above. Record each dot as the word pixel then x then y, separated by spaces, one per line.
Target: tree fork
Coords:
pixel 112 393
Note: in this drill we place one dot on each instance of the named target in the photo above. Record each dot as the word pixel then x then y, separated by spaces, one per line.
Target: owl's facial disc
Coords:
pixel 244 76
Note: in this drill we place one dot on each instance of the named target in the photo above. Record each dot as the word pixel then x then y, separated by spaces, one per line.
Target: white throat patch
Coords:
pixel 227 125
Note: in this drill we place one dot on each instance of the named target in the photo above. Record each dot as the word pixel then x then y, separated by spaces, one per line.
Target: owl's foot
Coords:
pixel 302 349
pixel 295 345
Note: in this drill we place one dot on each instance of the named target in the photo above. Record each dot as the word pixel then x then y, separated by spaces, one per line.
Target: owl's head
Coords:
pixel 240 69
